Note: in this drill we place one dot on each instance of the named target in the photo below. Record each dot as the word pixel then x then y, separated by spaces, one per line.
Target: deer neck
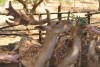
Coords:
pixel 47 50
pixel 92 56
pixel 73 52
pixel 50 42
pixel 72 55
pixel 92 47
pixel 50 38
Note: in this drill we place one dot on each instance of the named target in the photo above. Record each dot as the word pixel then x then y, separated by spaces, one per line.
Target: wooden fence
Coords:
pixel 59 17
pixel 16 32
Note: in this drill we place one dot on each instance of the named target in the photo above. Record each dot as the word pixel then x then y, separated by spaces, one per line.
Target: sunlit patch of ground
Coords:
pixel 8 39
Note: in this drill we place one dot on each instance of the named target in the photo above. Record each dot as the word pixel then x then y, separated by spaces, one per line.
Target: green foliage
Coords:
pixel 2 2
pixel 80 20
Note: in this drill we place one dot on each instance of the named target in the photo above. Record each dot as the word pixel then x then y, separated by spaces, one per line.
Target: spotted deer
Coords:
pixel 71 54
pixel 53 29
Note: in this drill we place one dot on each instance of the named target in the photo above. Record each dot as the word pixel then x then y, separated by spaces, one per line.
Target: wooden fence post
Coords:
pixel 40 33
pixel 59 14
pixel 88 17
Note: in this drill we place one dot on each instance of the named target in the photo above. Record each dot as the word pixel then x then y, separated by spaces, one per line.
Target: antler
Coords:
pixel 24 3
pixel 35 5
pixel 19 19
pixel 43 21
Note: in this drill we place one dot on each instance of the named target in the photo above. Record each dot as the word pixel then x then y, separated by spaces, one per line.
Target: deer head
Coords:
pixel 57 26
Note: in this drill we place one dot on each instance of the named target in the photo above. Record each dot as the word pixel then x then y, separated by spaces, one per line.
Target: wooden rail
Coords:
pixel 59 17
pixel 89 14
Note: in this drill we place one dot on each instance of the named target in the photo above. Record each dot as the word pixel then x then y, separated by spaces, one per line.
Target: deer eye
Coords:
pixel 57 23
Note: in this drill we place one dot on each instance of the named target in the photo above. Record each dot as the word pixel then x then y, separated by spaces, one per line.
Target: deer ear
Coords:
pixel 42 28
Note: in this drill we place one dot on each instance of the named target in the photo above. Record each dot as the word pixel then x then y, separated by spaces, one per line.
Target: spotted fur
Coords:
pixel 29 51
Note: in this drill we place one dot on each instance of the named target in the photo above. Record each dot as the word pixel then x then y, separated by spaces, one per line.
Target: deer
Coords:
pixel 93 57
pixel 56 27
pixel 26 50
pixel 51 40
pixel 72 53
